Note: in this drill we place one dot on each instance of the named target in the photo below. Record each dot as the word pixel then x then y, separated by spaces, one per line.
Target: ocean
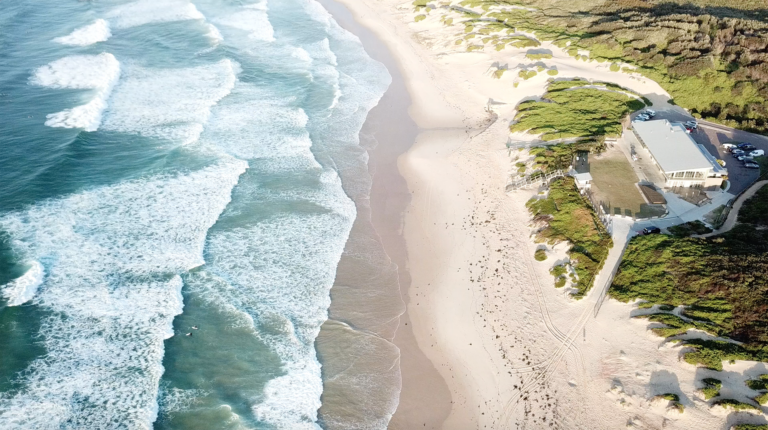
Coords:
pixel 179 181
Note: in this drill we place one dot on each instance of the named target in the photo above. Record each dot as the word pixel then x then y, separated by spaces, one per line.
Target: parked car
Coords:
pixel 651 230
pixel 692 124
pixel 721 162
pixel 757 153
pixel 751 165
pixel 747 146
pixel 737 152
pixel 729 146
pixel 643 117
pixel 650 112
pixel 744 158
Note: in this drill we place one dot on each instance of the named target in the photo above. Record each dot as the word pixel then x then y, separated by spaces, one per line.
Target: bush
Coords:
pixel 755 209
pixel 526 74
pixel 672 397
pixel 759 384
pixel 568 111
pixel 420 18
pixel 552 72
pixel 541 56
pixel 761 399
pixel 689 228
pixel 736 405
pixel 711 388
pixel 540 254
pixel 569 217
pixel 750 427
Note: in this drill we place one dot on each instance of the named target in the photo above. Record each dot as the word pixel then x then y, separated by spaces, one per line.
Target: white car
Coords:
pixel 650 112
pixel 729 146
pixel 757 153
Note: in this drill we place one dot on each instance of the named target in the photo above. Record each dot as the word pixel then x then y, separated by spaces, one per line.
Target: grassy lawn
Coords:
pixel 569 217
pixel 613 182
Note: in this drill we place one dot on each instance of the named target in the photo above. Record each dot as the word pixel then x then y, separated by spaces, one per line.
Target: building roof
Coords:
pixel 582 177
pixel 673 149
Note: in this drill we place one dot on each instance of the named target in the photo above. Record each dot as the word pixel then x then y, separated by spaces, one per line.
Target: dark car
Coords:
pixel 651 230
pixel 751 165
pixel 747 147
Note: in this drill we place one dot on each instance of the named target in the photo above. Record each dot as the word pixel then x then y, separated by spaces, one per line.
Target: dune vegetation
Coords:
pixel 573 109
pixel 711 388
pixel 710 55
pixel 568 217
pixel 721 281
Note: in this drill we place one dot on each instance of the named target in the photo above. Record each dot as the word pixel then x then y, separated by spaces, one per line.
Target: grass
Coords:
pixel 520 167
pixel 674 325
pixel 420 18
pixel 552 72
pixel 689 228
pixel 672 397
pixel 750 427
pixel 736 405
pixel 540 255
pixel 569 217
pixel 755 209
pixel 613 184
pixel 538 56
pixel 499 73
pixel 527 74
pixel 723 80
pixel 722 281
pixel 759 384
pixel 567 111
pixel 711 388
pixel 761 399
pixel 560 156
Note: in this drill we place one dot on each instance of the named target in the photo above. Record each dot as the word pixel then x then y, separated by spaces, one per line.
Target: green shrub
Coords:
pixel 560 282
pixel 711 388
pixel 672 397
pixel 689 228
pixel 750 427
pixel 526 74
pixel 755 209
pixel 552 72
pixel 499 73
pixel 520 167
pixel 542 56
pixel 759 384
pixel 540 254
pixel 762 398
pixel 569 217
pixel 420 18
pixel 736 405
pixel 567 111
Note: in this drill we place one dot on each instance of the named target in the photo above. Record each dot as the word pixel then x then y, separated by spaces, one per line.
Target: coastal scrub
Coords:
pixel 567 216
pixel 571 109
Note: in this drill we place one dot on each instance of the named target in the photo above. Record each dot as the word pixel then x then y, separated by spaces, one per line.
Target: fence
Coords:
pixel 534 179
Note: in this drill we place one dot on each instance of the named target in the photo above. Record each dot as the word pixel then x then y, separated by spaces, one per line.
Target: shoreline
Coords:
pixel 394 132
pixel 511 350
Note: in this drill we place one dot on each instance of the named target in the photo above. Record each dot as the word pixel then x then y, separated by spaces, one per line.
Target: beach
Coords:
pixel 486 341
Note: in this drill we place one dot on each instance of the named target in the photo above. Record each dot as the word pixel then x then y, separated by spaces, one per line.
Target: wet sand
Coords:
pixel 367 347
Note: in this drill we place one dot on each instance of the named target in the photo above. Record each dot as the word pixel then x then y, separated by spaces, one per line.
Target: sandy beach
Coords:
pixel 486 341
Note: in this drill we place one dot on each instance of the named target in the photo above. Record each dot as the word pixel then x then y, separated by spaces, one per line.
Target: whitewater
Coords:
pixel 178 192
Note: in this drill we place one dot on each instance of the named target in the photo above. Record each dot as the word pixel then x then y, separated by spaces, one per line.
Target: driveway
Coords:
pixel 712 136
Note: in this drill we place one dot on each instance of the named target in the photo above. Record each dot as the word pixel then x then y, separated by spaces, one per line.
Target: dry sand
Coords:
pixel 512 350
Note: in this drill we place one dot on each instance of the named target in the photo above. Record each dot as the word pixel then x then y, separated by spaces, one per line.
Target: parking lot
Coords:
pixel 712 136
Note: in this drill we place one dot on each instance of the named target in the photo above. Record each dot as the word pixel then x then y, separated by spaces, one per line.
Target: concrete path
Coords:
pixel 733 215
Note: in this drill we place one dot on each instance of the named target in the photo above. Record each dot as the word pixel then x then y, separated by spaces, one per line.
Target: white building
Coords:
pixel 682 161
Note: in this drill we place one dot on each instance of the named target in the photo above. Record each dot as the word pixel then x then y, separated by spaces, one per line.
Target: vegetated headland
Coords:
pixel 710 55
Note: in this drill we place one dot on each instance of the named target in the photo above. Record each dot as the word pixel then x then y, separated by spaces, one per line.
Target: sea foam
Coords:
pixel 110 293
pixel 96 72
pixel 98 31
pixel 170 104
pixel 23 289
pixel 251 18
pixel 152 11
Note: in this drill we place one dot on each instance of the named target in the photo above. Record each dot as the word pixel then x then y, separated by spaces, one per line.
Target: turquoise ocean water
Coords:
pixel 172 209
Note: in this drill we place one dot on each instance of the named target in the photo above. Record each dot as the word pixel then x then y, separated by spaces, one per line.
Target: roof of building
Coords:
pixel 582 177
pixel 673 149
